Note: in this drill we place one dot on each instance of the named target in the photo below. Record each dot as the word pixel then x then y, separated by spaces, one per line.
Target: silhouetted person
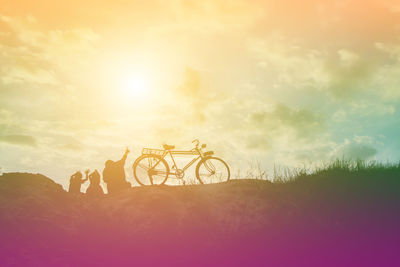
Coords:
pixel 114 174
pixel 94 189
pixel 76 181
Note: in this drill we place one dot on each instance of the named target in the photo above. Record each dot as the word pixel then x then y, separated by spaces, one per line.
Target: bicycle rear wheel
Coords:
pixel 212 170
pixel 150 170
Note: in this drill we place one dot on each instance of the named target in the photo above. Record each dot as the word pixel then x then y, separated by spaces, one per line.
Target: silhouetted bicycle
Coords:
pixel 151 168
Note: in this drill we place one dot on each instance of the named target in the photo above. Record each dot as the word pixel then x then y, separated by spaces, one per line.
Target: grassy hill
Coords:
pixel 345 214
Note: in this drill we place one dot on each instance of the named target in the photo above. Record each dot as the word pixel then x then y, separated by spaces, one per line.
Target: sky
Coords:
pixel 279 83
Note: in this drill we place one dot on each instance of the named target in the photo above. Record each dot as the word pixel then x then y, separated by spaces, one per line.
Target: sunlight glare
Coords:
pixel 136 84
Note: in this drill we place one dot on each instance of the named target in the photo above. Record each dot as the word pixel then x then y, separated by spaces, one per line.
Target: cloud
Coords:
pixel 292 65
pixel 303 121
pixel 43 69
pixel 21 75
pixel 387 77
pixel 197 96
pixel 191 85
pixel 342 73
pixel 31 55
pixel 18 139
pixel 72 146
pixel 348 73
pixel 206 17
pixel 259 141
pixel 358 151
pixel 360 148
pixel 276 132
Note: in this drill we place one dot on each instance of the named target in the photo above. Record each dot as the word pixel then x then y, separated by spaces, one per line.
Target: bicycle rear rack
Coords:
pixel 152 151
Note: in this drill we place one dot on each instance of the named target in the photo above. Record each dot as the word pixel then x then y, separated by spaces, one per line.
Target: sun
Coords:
pixel 135 84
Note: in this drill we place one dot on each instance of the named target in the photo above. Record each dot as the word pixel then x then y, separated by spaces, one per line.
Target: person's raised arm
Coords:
pixel 87 176
pixel 125 155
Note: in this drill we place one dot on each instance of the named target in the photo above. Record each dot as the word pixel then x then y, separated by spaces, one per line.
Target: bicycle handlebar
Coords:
pixel 197 142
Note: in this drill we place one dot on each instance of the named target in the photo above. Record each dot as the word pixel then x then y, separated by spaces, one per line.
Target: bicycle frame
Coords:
pixel 181 152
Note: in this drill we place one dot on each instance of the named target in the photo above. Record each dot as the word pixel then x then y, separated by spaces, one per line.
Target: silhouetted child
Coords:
pixel 76 181
pixel 114 174
pixel 94 189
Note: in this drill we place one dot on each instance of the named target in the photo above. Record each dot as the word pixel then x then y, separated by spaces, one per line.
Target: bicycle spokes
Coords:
pixel 209 166
pixel 212 170
pixel 150 170
pixel 143 166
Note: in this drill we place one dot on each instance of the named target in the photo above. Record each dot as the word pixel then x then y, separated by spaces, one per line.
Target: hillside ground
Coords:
pixel 341 215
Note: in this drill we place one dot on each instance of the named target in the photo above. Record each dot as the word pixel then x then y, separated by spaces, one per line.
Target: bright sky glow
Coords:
pixel 279 82
pixel 135 85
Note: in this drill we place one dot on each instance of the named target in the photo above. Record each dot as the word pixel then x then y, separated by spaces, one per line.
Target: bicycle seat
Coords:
pixel 208 153
pixel 168 147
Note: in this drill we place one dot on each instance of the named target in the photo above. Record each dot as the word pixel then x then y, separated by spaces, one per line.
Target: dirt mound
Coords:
pixel 242 222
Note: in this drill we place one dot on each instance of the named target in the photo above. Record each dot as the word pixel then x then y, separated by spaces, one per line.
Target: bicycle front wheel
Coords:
pixel 150 170
pixel 212 170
